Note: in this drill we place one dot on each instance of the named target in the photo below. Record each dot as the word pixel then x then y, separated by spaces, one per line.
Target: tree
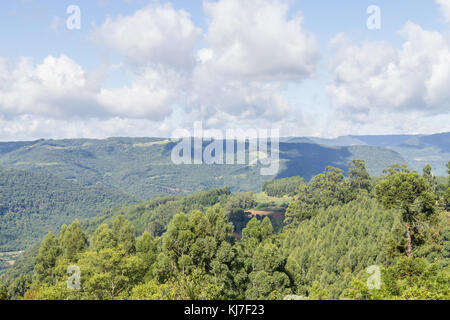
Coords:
pixel 152 290
pixel 428 176
pixel 408 192
pixel 124 234
pixel 109 273
pixel 407 279
pixel 325 190
pixel 448 188
pixel 396 168
pixel 46 259
pixel 178 239
pixel 103 238
pixel 3 292
pixel 72 240
pixel 147 248
pixel 359 177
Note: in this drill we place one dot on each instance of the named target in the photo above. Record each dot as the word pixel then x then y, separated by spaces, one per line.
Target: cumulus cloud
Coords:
pixel 56 87
pixel 231 74
pixel 255 39
pixel 373 78
pixel 211 94
pixel 157 34
pixel 249 48
pixel 60 88
pixel 252 49
pixel 151 95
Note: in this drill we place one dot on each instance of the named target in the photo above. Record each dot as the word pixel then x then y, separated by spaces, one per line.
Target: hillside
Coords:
pixel 219 245
pixel 51 182
pixel 417 150
pixel 31 204
pixel 142 167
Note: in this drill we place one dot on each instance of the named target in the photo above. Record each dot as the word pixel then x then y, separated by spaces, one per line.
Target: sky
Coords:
pixel 148 68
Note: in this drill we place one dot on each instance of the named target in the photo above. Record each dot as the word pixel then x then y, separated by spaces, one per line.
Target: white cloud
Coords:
pixel 56 87
pixel 30 127
pixel 60 88
pixel 445 7
pixel 151 95
pixel 211 94
pixel 218 80
pixel 374 79
pixel 157 34
pixel 252 49
pixel 255 39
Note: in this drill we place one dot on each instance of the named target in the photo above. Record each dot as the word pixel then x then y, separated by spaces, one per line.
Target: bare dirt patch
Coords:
pixel 275 214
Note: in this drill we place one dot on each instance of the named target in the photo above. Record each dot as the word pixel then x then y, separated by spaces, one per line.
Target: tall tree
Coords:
pixel 72 240
pixel 408 192
pixel 3 292
pixel 359 177
pixel 396 168
pixel 103 238
pixel 46 259
pixel 124 233
pixel 431 179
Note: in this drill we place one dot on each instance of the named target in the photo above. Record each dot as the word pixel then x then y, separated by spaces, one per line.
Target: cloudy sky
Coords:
pixel 146 68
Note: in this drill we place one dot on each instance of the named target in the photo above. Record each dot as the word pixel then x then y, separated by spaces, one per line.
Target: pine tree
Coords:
pixel 409 193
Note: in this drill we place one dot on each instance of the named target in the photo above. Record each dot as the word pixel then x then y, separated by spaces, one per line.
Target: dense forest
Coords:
pixel 142 167
pixel 48 183
pixel 32 204
pixel 221 245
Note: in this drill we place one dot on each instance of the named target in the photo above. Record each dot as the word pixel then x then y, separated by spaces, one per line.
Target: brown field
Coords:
pixel 274 214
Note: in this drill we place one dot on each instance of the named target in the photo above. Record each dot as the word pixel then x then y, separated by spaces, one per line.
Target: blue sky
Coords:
pixel 127 85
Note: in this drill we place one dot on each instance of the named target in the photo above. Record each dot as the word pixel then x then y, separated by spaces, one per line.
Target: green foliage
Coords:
pixel 338 242
pixel 68 179
pixel 282 187
pixel 124 234
pixel 103 238
pixel 338 230
pixel 32 204
pixel 73 240
pixel 430 178
pixel 147 249
pixel 407 279
pixel 409 193
pixel 325 190
pixel 154 215
pixel 359 177
pixel 3 292
pixel 152 290
pixel 109 272
pixel 46 259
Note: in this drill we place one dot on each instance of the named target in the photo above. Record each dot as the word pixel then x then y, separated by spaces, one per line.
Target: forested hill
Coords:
pixel 31 204
pixel 333 230
pixel 417 150
pixel 142 167
pixel 51 182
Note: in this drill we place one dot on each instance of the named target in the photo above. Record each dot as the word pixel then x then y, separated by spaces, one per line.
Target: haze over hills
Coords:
pixel 417 150
pixel 142 167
